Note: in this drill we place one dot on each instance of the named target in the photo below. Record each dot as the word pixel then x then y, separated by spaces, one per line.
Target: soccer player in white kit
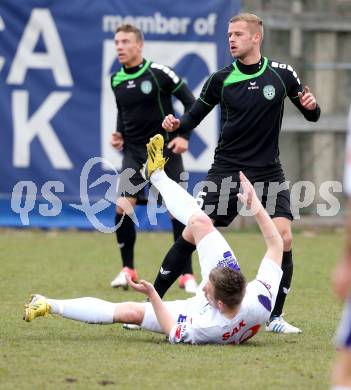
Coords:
pixel 225 310
pixel 341 374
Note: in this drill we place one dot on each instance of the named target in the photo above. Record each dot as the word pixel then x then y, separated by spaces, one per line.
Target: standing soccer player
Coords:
pixel 143 90
pixel 341 376
pixel 251 93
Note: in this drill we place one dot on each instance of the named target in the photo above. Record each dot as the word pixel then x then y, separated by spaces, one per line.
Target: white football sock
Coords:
pixel 179 203
pixel 90 310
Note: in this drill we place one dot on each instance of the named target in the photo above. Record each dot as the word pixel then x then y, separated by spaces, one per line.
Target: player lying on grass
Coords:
pixel 225 310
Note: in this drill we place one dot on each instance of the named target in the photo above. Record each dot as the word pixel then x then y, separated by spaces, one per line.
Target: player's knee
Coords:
pixel 286 235
pixel 125 205
pixel 133 317
pixel 199 220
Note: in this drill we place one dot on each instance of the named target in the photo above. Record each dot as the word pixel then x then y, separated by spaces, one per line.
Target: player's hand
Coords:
pixel 307 99
pixel 178 145
pixel 117 141
pixel 143 286
pixel 248 196
pixel 170 123
pixel 342 279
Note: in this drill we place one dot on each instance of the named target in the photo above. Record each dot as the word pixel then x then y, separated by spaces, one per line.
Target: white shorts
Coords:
pixel 343 335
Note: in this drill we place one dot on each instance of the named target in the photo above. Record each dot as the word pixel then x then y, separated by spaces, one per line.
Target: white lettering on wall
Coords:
pixel 38 125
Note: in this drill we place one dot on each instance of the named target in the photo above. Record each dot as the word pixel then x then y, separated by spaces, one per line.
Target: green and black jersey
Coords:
pixel 144 97
pixel 251 98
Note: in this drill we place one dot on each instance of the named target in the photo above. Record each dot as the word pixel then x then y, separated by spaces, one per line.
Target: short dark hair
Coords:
pixel 129 28
pixel 229 285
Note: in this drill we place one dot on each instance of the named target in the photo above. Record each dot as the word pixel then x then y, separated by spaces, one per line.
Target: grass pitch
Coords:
pixel 55 353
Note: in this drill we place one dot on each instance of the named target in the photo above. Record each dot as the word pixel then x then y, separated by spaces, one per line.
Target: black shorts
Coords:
pixel 131 183
pixel 219 194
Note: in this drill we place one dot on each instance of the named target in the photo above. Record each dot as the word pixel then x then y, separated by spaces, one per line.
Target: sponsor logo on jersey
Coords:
pixel 235 330
pixel 253 85
pixel 180 331
pixel 229 261
pixel 146 87
pixel 181 318
pixel 131 84
pixel 269 92
pixel 249 333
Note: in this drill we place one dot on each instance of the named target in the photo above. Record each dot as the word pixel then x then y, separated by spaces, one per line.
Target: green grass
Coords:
pixel 55 353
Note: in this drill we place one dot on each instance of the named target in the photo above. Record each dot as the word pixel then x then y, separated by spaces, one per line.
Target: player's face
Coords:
pixel 241 39
pixel 128 48
pixel 208 289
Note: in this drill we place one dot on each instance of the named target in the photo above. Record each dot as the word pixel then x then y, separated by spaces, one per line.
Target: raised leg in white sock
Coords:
pixel 179 203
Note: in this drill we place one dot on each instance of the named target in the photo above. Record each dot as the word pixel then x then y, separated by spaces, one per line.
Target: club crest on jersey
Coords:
pixel 146 87
pixel 269 92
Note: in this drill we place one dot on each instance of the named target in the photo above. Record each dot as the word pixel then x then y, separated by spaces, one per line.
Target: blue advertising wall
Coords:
pixel 57 110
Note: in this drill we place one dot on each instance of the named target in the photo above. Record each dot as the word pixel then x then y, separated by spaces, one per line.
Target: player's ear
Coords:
pixel 257 37
pixel 220 305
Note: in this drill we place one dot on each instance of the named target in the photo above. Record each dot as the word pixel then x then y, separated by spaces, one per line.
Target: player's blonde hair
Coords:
pixel 129 28
pixel 255 22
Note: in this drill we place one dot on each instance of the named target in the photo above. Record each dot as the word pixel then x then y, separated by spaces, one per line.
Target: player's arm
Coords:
pixel 272 238
pixel 301 96
pixel 117 137
pixel 163 315
pixel 186 97
pixel 209 97
pixel 307 104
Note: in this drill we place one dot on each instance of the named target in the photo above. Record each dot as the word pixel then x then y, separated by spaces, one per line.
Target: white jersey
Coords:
pixel 200 323
pixel 197 322
pixel 347 175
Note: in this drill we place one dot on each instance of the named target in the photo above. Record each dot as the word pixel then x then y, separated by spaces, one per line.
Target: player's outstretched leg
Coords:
pixel 87 309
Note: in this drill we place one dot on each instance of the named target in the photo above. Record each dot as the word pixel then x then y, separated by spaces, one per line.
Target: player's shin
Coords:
pixel 126 236
pixel 173 265
pixel 89 310
pixel 178 228
pixel 285 283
